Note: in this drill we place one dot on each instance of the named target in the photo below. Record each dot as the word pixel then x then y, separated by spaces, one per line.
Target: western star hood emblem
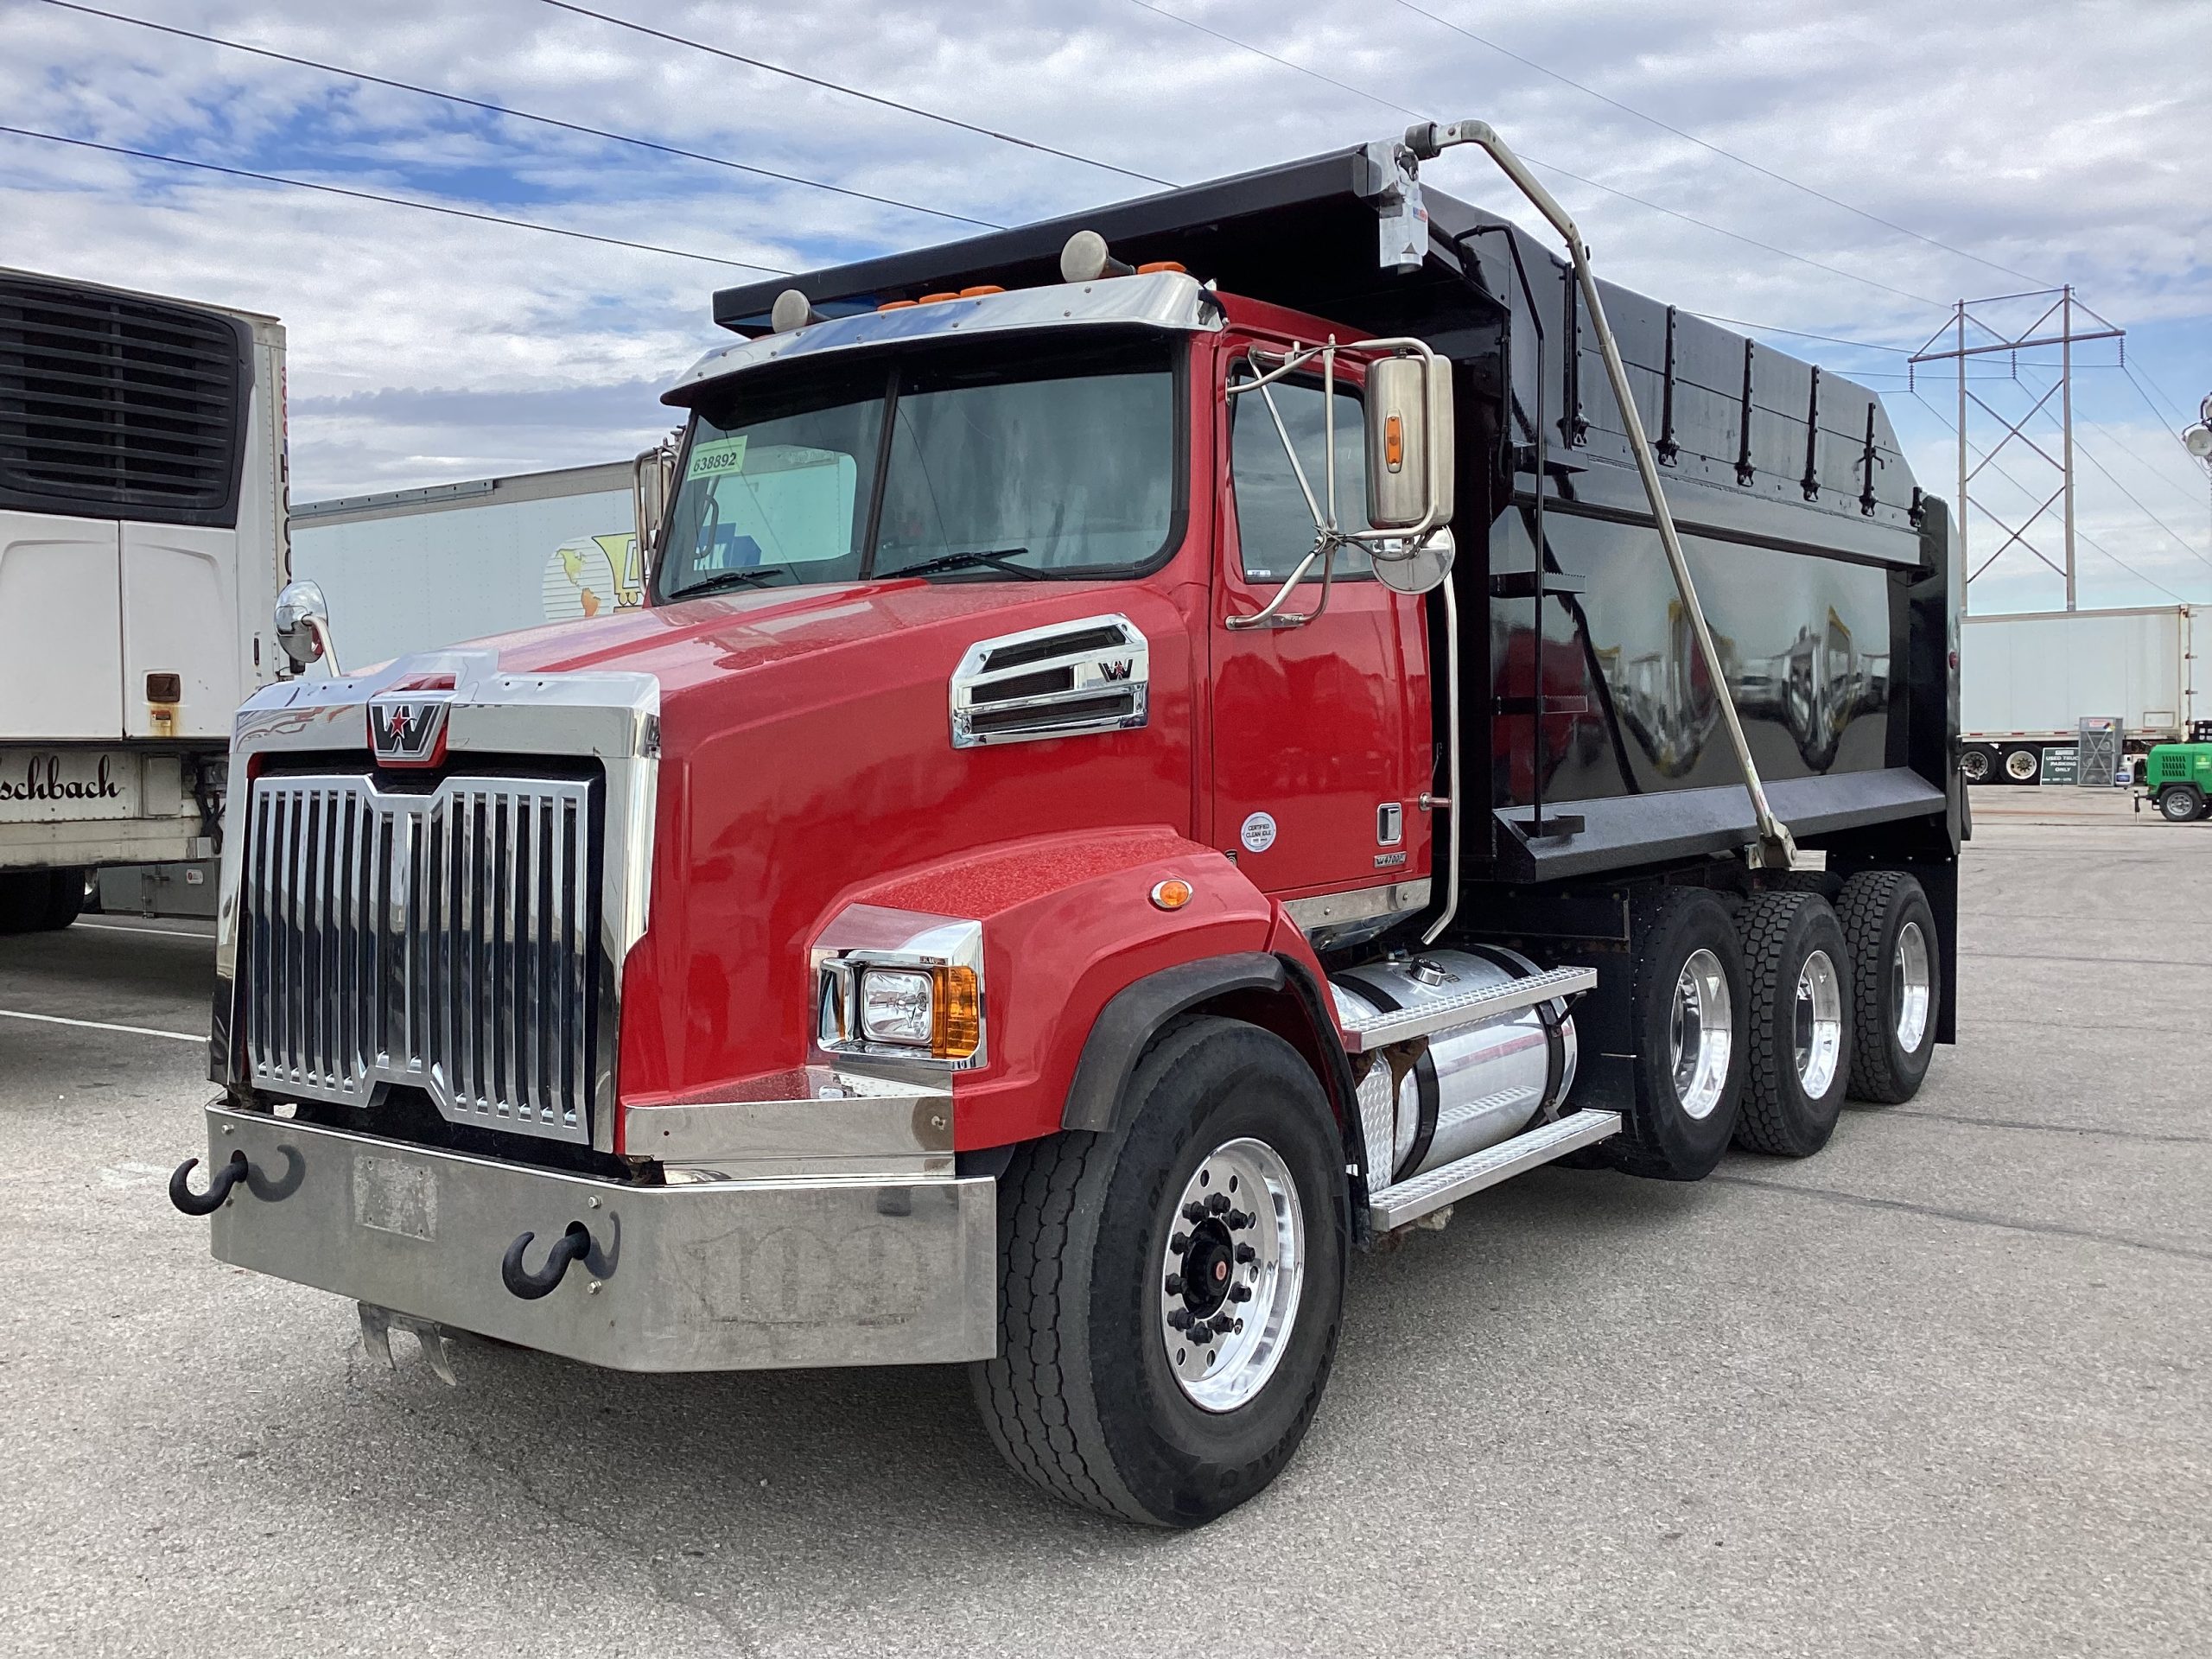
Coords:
pixel 409 729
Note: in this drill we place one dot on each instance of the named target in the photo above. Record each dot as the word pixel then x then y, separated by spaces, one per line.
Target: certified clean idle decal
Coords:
pixel 1258 833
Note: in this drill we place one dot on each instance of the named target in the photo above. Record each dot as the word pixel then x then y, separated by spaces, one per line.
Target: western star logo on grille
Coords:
pixel 408 731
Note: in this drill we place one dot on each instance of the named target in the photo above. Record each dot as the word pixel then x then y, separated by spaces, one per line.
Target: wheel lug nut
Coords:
pixel 1194 1212
pixel 1238 1221
pixel 1180 1243
pixel 1181 1318
pixel 1246 1253
pixel 1218 1202
pixel 1240 1292
pixel 1174 1284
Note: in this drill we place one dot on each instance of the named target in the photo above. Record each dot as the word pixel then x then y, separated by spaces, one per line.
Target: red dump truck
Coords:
pixel 1160 749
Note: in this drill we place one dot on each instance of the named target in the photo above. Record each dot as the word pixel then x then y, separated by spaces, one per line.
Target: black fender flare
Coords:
pixel 1137 1013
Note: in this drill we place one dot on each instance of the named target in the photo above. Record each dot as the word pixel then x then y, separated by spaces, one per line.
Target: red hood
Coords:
pixel 806 757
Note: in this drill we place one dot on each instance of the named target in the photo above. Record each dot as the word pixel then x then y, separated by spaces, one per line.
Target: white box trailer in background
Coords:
pixel 415 570
pixel 142 525
pixel 2027 681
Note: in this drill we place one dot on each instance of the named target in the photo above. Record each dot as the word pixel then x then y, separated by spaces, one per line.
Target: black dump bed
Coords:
pixel 1822 568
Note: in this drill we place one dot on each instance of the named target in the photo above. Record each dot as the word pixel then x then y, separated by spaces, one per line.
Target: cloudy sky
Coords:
pixel 2025 143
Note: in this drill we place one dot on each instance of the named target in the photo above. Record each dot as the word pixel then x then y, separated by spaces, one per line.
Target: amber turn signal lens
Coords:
pixel 957 1029
pixel 1150 266
pixel 1172 893
pixel 1394 441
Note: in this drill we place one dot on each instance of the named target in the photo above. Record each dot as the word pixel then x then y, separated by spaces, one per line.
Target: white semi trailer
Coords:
pixel 410 570
pixel 142 543
pixel 2028 680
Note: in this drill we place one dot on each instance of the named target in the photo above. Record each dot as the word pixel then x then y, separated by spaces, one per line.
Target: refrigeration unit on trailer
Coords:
pixel 142 514
pixel 1159 748
pixel 2029 680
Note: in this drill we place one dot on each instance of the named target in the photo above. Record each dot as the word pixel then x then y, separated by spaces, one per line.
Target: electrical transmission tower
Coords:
pixel 1989 327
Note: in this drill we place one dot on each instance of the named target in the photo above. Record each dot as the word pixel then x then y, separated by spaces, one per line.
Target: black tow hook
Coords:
pixel 218 1187
pixel 572 1246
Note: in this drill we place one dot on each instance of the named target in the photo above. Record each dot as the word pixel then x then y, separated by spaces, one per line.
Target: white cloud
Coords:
pixel 2063 142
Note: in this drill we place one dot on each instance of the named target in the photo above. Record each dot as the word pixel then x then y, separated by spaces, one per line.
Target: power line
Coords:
pixel 395 201
pixel 522 115
pixel 1419 115
pixel 1833 339
pixel 1707 144
pixel 2089 454
pixel 2173 431
pixel 2079 534
pixel 851 91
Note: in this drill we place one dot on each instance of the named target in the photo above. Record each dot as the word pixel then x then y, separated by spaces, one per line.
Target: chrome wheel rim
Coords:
pixel 1232 1270
pixel 1818 1025
pixel 2020 765
pixel 1700 1033
pixel 1910 983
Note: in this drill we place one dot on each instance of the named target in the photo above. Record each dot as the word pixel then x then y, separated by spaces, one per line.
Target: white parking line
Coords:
pixel 166 932
pixel 102 1025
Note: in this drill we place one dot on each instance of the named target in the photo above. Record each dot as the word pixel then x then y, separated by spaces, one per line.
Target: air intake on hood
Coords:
pixel 1072 679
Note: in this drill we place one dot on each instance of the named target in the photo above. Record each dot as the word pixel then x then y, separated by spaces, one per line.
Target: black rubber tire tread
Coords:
pixel 1658 1140
pixel 1866 907
pixel 1024 1395
pixel 1775 1117
pixel 24 898
pixel 1059 1201
pixel 65 899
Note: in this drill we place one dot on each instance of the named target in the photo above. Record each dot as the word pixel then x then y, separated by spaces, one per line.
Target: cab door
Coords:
pixel 1321 736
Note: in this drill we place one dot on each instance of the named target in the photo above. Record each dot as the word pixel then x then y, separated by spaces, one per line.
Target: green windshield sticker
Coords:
pixel 716 456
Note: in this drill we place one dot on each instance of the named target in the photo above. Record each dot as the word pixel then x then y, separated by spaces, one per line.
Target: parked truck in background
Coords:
pixel 413 569
pixel 1158 749
pixel 2027 680
pixel 142 525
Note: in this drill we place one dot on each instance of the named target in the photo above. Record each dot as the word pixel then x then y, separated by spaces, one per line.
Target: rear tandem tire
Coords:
pixel 1084 1399
pixel 1897 989
pixel 1688 964
pixel 24 896
pixel 66 901
pixel 1797 971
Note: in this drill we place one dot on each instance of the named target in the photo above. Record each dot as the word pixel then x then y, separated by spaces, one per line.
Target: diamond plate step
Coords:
pixel 1408 1201
pixel 1472 1008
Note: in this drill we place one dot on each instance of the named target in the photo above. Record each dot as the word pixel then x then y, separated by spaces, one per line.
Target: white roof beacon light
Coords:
pixel 1086 258
pixel 791 311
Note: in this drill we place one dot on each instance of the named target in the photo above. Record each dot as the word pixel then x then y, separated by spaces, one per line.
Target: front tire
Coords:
pixel 1100 1252
pixel 1797 967
pixel 1897 983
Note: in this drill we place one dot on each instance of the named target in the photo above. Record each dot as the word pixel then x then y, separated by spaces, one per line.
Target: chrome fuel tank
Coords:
pixel 1466 1090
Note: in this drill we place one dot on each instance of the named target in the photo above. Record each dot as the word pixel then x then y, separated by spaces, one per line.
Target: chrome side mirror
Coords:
pixel 652 483
pixel 1415 567
pixel 302 620
pixel 1410 443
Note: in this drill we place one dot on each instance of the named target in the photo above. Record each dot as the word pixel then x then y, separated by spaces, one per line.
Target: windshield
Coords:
pixel 975 467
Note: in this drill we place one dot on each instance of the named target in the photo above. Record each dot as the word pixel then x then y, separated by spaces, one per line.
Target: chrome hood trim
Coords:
pixel 1164 299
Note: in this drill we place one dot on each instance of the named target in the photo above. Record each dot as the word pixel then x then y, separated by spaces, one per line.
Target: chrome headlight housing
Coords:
pixel 901 985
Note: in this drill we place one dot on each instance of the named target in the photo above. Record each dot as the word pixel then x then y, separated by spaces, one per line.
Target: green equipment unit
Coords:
pixel 2177 778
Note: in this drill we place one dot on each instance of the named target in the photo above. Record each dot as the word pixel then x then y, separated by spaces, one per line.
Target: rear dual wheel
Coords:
pixel 1798 1026
pixel 35 901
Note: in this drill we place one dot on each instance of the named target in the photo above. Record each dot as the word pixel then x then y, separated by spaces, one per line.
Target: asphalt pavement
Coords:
pixel 1945 1389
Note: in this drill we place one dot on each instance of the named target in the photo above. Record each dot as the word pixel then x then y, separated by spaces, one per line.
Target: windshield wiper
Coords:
pixel 751 577
pixel 996 558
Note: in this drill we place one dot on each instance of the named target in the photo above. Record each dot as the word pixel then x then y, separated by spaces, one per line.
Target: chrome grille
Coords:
pixel 443 940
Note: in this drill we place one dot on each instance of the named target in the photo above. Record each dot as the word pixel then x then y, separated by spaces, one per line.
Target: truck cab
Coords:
pixel 1158 751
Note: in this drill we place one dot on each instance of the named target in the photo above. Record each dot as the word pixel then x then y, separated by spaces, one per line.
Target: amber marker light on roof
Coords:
pixel 1172 893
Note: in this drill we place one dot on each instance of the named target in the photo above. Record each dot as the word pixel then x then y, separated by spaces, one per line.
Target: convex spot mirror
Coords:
pixel 1414 567
pixel 302 620
pixel 1410 443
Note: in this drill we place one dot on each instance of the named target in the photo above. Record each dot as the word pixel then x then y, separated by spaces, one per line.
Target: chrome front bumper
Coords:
pixel 709 1276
